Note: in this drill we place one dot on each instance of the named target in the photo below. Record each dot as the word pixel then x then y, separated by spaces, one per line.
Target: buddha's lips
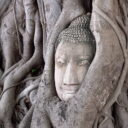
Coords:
pixel 70 88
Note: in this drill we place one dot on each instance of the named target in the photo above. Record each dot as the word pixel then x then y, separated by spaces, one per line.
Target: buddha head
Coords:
pixel 74 54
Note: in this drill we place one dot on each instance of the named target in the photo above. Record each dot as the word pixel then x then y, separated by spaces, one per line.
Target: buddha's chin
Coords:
pixel 68 93
pixel 67 96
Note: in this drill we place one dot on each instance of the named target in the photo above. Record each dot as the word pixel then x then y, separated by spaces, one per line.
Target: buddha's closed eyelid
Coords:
pixel 85 57
pixel 60 61
pixel 82 62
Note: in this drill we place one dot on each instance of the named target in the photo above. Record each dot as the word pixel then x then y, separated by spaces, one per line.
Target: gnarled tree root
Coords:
pixel 7 102
pixel 26 122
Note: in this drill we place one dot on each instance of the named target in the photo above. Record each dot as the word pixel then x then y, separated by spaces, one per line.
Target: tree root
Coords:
pixel 27 38
pixel 11 69
pixel 26 122
pixel 125 68
pixel 122 39
pixel 26 91
pixel 3 6
pixel 29 89
pixel 16 27
pixel 7 101
pixel 9 37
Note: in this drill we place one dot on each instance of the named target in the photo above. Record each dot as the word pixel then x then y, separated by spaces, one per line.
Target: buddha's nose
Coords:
pixel 70 77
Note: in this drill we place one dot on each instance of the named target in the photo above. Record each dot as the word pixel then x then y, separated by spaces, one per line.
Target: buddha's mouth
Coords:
pixel 70 89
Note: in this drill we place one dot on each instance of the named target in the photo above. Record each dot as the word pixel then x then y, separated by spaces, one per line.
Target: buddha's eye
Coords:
pixel 83 62
pixel 60 62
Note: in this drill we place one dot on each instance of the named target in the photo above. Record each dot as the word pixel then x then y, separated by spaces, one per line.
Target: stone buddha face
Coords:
pixel 72 61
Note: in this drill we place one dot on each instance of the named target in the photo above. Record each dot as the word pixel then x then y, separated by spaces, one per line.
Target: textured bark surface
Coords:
pixel 28 33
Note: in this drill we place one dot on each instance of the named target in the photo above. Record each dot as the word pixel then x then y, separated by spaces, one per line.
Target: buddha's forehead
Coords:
pixel 67 50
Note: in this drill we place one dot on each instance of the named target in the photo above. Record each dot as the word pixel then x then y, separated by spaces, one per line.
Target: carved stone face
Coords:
pixel 71 64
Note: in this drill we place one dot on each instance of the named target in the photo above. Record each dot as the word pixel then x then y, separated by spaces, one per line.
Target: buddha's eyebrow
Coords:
pixel 61 57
